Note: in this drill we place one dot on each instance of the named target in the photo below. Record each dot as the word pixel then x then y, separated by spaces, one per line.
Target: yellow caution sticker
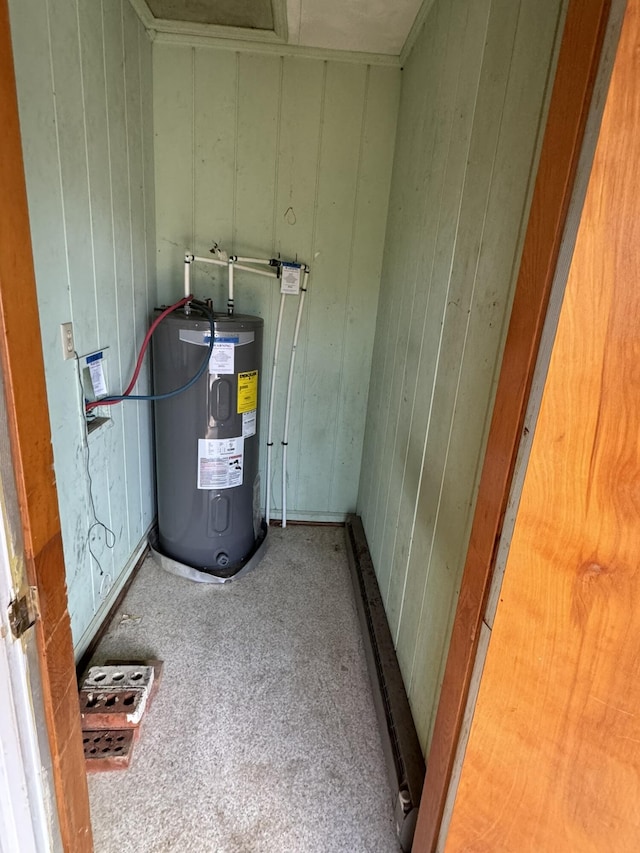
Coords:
pixel 247 391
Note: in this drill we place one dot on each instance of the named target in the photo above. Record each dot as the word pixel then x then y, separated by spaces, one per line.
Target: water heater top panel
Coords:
pixel 221 320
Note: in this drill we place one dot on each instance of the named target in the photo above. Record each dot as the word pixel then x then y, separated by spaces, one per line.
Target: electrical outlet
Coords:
pixel 68 347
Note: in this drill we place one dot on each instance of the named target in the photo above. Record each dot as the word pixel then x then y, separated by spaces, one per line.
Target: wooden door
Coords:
pixel 23 385
pixel 553 759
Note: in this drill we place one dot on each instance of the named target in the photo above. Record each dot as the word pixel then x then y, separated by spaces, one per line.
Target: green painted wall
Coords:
pixel 267 154
pixel 272 154
pixel 473 96
pixel 83 71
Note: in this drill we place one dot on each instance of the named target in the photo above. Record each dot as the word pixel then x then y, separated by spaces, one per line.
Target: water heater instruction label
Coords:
pixel 222 358
pixel 247 391
pixel 249 423
pixel 220 462
pixel 290 280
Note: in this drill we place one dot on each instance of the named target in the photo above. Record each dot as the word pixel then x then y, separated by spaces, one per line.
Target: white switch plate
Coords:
pixel 68 347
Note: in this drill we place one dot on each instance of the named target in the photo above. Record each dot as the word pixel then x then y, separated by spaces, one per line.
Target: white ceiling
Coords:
pixel 370 26
pixel 374 26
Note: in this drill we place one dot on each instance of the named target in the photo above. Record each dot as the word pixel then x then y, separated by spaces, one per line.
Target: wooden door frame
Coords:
pixel 578 62
pixel 22 367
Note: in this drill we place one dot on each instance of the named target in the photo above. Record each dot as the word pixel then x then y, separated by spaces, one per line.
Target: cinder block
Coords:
pixel 113 700
pixel 115 696
pixel 108 749
pixel 112 709
pixel 119 676
pixel 158 667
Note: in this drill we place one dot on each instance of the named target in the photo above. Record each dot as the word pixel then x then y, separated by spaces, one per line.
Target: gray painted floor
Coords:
pixel 263 736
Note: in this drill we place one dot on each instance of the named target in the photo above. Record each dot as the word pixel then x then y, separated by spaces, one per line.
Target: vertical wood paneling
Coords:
pixel 72 153
pixel 489 305
pixel 340 149
pixel 257 127
pixel 290 156
pixel 416 292
pixel 365 265
pixel 299 137
pixel 469 24
pixel 114 58
pixel 83 79
pixel 215 92
pixel 148 157
pixel 149 236
pixel 413 418
pixel 389 313
pixel 295 217
pixel 173 105
pixel 140 302
pixel 108 474
pixel 442 557
pixel 473 93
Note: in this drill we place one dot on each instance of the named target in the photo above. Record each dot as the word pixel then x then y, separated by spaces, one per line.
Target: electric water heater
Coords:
pixel 208 484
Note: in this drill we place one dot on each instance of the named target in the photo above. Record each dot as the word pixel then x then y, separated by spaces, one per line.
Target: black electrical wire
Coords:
pixel 203 309
pixel 109 535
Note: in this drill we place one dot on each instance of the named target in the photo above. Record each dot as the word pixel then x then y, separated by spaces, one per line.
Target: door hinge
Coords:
pixel 23 612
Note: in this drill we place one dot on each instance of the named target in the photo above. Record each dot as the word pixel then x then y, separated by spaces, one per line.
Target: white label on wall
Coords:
pixel 96 371
pixel 222 358
pixel 290 278
pixel 220 462
pixel 249 423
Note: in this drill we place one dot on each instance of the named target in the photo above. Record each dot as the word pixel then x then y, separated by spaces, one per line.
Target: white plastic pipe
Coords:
pixel 188 260
pixel 230 293
pixel 266 273
pixel 220 263
pixel 287 411
pixel 272 394
pixel 215 261
pixel 238 266
pixel 263 261
pixel 231 266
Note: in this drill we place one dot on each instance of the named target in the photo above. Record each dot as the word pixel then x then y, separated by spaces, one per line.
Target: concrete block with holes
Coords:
pixel 112 709
pixel 107 749
pixel 115 697
pixel 113 700
pixel 119 676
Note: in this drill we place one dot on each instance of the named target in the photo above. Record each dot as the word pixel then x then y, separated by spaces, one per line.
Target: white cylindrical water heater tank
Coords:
pixel 208 484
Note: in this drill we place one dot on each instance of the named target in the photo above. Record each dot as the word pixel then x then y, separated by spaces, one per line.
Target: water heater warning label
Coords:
pixel 249 423
pixel 222 358
pixel 247 391
pixel 220 462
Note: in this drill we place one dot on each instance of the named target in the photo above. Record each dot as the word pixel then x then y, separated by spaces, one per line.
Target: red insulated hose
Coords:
pixel 143 350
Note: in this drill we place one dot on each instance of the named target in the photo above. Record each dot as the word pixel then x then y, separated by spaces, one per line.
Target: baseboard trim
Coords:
pixel 404 759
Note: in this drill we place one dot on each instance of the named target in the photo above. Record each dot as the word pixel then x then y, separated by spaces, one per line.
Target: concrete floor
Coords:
pixel 263 736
